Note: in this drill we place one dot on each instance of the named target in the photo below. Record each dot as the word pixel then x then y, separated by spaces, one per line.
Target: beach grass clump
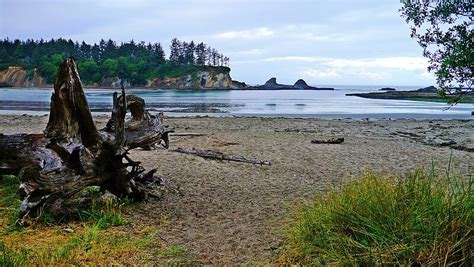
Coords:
pixel 419 218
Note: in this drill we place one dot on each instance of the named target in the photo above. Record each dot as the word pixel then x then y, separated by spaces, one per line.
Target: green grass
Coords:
pixel 9 257
pixel 421 218
pixel 9 203
pixel 178 255
pixel 97 233
pixel 104 213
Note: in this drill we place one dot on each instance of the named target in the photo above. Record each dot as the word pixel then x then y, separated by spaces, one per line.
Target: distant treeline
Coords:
pixel 135 62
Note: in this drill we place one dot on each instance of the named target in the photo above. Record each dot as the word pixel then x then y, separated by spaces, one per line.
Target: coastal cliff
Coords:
pixel 195 77
pixel 202 77
pixel 18 77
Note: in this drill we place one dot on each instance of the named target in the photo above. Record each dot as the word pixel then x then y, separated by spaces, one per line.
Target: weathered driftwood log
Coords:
pixel 143 129
pixel 72 154
pixel 20 150
pixel 331 140
pixel 70 120
pixel 209 154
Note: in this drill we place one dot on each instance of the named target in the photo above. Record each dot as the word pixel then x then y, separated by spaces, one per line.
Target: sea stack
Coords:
pixel 299 85
pixel 272 84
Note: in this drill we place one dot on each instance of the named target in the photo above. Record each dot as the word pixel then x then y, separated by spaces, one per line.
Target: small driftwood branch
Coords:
pixel 188 134
pixel 209 154
pixel 331 140
pixel 463 148
pixel 292 130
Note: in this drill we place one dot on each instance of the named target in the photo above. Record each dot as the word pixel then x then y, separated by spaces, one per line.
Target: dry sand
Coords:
pixel 232 213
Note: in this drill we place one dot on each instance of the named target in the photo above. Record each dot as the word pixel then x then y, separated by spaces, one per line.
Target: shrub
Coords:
pixel 422 218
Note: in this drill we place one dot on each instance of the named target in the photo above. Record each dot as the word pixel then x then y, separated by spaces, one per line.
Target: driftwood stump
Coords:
pixel 72 154
pixel 330 140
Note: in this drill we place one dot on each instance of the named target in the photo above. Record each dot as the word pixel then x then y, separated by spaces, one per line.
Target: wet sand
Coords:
pixel 231 213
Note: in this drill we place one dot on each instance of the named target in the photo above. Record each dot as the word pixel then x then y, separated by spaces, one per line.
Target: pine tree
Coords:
pixel 85 50
pixel 182 53
pixel 189 53
pixel 110 49
pixel 209 56
pixel 102 48
pixel 214 56
pixel 221 60
pixel 174 51
pixel 201 54
pixel 158 54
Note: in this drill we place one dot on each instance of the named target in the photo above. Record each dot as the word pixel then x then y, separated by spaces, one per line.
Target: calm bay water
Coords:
pixel 286 103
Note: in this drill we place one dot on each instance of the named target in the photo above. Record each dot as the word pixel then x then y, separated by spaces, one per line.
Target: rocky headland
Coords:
pixel 197 78
pixel 299 85
pixel 200 77
pixel 19 77
pixel 205 77
pixel 423 94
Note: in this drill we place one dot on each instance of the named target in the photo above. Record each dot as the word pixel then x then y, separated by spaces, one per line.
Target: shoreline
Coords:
pixel 388 95
pixel 175 89
pixel 255 103
pixel 326 117
pixel 414 96
pixel 187 89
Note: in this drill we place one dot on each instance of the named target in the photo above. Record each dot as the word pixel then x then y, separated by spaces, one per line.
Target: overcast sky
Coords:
pixel 332 42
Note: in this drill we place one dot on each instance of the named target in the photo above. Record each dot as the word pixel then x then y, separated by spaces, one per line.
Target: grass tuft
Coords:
pixel 9 203
pixel 97 236
pixel 178 255
pixel 421 218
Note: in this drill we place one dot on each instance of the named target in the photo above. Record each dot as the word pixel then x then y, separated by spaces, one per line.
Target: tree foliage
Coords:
pixel 135 62
pixel 444 29
pixel 183 53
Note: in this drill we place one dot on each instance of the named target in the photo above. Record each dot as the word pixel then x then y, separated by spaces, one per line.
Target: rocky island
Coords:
pixel 423 94
pixel 273 85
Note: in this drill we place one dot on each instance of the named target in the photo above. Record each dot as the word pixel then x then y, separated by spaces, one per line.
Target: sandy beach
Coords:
pixel 231 213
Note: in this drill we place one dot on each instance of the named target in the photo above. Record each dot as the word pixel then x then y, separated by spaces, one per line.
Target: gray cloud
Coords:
pixel 330 42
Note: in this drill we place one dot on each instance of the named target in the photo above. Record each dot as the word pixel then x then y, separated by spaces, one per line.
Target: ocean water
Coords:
pixel 285 103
